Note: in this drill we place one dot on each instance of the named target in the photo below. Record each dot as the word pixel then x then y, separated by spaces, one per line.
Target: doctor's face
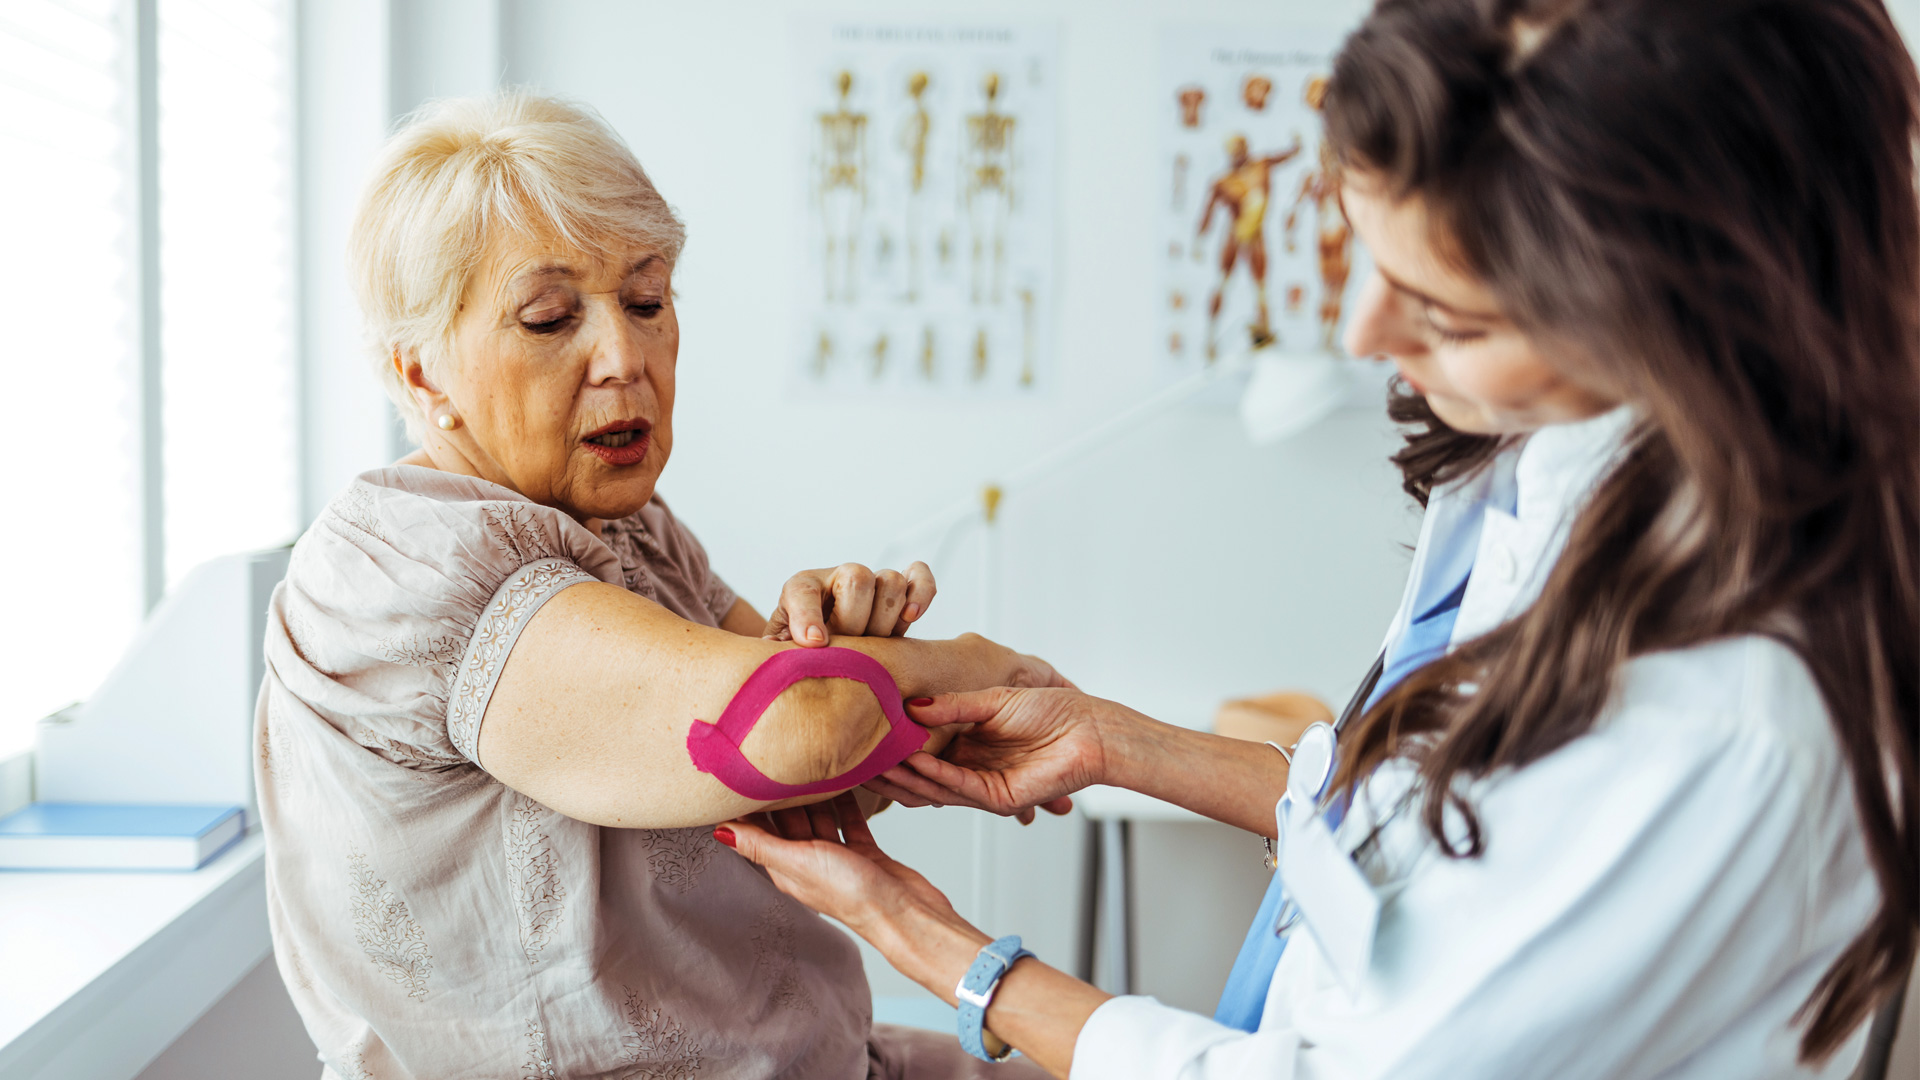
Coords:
pixel 1444 330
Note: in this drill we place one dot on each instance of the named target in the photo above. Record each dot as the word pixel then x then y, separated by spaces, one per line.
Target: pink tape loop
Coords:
pixel 715 747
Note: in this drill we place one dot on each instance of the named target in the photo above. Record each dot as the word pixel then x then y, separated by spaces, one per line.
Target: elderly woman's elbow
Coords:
pixel 815 730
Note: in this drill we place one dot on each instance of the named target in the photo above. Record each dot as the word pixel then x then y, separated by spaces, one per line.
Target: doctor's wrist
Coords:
pixel 933 948
pixel 1130 749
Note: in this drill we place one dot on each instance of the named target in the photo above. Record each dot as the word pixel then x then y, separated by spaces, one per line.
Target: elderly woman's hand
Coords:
pixel 852 601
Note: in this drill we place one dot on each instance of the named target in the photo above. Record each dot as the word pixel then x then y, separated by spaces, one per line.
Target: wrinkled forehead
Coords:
pixel 514 261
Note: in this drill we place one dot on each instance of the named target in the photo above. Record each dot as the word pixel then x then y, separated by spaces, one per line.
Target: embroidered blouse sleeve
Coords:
pixel 405 599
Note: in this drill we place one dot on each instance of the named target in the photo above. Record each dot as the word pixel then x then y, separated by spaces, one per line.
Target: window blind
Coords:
pixel 226 281
pixel 70 536
pixel 72 449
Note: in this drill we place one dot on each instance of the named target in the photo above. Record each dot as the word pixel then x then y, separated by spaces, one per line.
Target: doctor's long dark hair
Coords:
pixel 1706 208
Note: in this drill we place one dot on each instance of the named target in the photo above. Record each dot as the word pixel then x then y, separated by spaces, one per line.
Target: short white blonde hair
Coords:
pixel 461 172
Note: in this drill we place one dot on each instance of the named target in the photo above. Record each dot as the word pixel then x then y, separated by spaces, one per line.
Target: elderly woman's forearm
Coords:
pixel 922 666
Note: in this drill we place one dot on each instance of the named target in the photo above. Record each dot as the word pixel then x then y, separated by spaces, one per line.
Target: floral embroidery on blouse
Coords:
pixel 302 977
pixel 514 529
pixel 301 636
pixel 534 873
pixel 539 1064
pixel 655 1046
pixel 355 507
pixel 269 724
pixel 677 856
pixel 633 545
pixel 499 627
pixel 386 930
pixel 411 755
pixel 438 653
pixel 773 962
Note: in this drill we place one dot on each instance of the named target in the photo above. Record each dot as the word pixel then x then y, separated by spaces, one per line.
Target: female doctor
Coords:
pixel 1634 790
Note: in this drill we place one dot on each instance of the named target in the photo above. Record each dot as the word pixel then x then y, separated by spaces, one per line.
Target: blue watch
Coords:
pixel 975 993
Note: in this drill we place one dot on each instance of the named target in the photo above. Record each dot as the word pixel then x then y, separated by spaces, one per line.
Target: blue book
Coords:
pixel 111 836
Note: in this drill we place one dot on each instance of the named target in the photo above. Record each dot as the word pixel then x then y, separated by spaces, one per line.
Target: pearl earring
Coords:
pixel 448 421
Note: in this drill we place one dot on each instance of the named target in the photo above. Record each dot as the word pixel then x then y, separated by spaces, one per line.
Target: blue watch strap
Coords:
pixel 976 989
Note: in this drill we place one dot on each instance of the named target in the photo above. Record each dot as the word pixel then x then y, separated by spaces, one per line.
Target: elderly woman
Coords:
pixel 489 852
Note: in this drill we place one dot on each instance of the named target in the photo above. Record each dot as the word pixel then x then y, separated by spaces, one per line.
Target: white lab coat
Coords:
pixel 1657 898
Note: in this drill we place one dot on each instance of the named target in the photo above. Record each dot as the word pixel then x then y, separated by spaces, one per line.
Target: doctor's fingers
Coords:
pixel 822 821
pixel 967 707
pixel 1059 807
pixel 882 786
pixel 829 878
pixel 886 789
pixel 952 785
pixel 853 825
pixel 790 823
pixel 1000 791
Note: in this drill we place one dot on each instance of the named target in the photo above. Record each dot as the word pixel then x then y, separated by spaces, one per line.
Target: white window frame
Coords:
pixel 141 26
pixel 357 66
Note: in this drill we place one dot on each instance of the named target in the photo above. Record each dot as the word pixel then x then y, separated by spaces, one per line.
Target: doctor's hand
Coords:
pixel 824 856
pixel 852 601
pixel 1026 749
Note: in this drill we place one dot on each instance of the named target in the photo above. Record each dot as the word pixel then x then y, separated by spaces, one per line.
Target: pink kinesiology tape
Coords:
pixel 715 747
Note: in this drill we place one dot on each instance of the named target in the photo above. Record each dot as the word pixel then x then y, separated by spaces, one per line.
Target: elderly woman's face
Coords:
pixel 562 375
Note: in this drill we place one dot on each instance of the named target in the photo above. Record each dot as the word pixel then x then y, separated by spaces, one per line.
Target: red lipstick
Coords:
pixel 623 442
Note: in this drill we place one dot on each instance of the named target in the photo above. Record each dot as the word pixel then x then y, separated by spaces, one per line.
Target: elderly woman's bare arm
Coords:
pixel 591 712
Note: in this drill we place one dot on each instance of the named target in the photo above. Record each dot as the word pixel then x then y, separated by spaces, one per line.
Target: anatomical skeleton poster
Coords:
pixel 1255 252
pixel 926 261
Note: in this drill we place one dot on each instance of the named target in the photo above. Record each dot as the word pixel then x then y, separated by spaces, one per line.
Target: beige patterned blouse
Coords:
pixel 432 922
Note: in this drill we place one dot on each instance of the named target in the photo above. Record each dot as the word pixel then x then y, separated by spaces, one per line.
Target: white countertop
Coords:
pixel 100 972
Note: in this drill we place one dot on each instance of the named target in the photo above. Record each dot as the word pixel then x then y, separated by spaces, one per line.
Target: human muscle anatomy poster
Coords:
pixel 1255 253
pixel 926 260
